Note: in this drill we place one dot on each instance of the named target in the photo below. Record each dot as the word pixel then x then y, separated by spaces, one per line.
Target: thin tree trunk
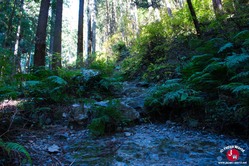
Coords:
pixel 9 27
pixel 40 44
pixel 89 39
pixel 86 29
pixel 107 19
pixel 93 21
pixel 52 25
pixel 17 55
pixel 194 18
pixel 79 61
pixel 56 58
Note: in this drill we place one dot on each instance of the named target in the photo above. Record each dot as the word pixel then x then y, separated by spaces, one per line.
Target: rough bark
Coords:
pixel 40 40
pixel 194 18
pixel 79 61
pixel 56 58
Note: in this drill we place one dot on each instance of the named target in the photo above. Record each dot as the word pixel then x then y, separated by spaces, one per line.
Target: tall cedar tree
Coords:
pixel 56 59
pixel 79 61
pixel 40 40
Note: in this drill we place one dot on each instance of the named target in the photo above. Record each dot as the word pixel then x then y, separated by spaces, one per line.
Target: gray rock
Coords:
pixel 54 149
pixel 127 134
pixel 129 112
pixel 102 103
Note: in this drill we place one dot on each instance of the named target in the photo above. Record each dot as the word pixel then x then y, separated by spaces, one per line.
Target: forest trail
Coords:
pixel 148 144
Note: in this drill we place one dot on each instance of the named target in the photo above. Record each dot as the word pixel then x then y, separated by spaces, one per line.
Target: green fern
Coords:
pixel 212 46
pixel 56 80
pixel 227 46
pixel 246 43
pixel 174 96
pixel 241 36
pixel 213 67
pixel 236 60
pixel 242 89
pixel 11 147
pixel 240 76
pixel 230 86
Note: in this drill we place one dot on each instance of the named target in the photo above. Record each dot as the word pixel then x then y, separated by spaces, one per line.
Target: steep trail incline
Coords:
pixel 167 144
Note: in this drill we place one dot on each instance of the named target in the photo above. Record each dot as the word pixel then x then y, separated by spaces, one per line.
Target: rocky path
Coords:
pixel 167 144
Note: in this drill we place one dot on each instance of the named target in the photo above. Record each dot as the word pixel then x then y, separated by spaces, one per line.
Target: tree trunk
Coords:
pixel 168 5
pixel 85 37
pixel 194 18
pixel 79 61
pixel 17 55
pixel 135 16
pixel 56 58
pixel 93 21
pixel 107 19
pixel 40 40
pixel 217 5
pixel 89 40
pixel 52 25
pixel 7 42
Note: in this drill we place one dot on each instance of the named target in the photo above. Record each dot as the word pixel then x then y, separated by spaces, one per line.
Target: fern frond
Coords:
pixel 201 58
pixel 57 80
pixel 225 47
pixel 201 78
pixel 173 96
pixel 230 86
pixel 215 66
pixel 170 86
pixel 242 89
pixel 32 83
pixel 236 59
pixel 176 80
pixel 241 75
pixel 15 147
pixel 246 43
pixel 242 35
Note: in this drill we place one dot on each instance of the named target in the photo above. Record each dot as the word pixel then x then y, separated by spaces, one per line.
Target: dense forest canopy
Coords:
pixel 192 56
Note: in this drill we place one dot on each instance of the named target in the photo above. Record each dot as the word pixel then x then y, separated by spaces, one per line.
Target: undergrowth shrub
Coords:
pixel 218 75
pixel 172 99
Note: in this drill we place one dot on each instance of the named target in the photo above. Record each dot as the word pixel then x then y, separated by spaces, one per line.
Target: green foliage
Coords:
pixel 8 92
pixel 120 50
pixel 158 71
pixel 218 75
pixel 5 66
pixel 172 94
pixel 106 118
pixel 236 60
pixel 105 67
pixel 130 66
pixel 47 91
pixel 15 148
